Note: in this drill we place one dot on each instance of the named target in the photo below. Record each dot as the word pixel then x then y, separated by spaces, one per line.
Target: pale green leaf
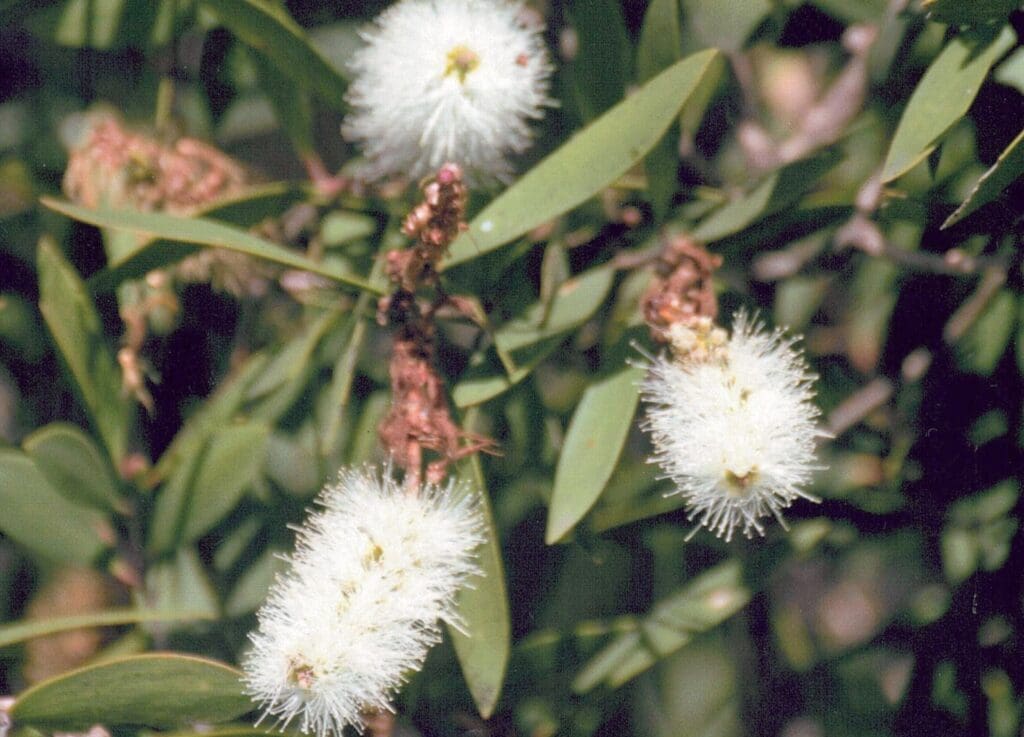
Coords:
pixel 591 448
pixel 943 96
pixel 76 329
pixel 38 517
pixel 74 466
pixel 203 232
pixel 155 690
pixel 590 161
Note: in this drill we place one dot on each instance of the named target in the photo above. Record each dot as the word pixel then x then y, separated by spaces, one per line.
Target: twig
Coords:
pixel 969 312
pixel 859 405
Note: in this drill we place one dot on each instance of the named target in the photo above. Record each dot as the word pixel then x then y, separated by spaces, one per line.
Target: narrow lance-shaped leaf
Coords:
pixel 592 446
pixel 705 602
pixel 272 31
pixel 943 96
pixel 590 161
pixel 483 649
pixel 1007 169
pixel 153 690
pixel 29 629
pixel 203 232
pixel 75 325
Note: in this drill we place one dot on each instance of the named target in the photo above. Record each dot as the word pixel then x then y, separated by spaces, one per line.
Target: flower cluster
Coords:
pixel 373 574
pixel 448 81
pixel 733 422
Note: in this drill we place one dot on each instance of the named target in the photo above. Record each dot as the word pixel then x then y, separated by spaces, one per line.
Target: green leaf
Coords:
pixel 252 586
pixel 724 25
pixel 660 43
pixel 601 66
pixel 574 302
pixel 210 416
pixel 705 602
pixel 154 690
pixel 981 348
pixel 76 329
pixel 777 191
pixel 590 161
pixel 591 449
pixel 182 582
pixel 482 383
pixel 943 96
pixel 1007 169
pixel 291 104
pixel 203 232
pixel 660 46
pixel 74 466
pixel 31 628
pixel 532 336
pixel 271 31
pixel 342 226
pixel 973 12
pixel 483 650
pixel 231 464
pixel 199 495
pixel 38 517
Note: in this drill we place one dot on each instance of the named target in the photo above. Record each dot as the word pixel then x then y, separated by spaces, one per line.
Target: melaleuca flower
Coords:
pixel 447 81
pixel 733 423
pixel 374 573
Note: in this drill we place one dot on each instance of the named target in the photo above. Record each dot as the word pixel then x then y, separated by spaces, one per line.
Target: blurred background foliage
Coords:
pixel 162 422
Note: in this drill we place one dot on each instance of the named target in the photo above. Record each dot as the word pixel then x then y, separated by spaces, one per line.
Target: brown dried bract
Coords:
pixel 682 289
pixel 434 224
pixel 419 418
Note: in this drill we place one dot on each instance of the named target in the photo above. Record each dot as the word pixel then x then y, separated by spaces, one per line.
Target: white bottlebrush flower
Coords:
pixel 447 80
pixel 373 574
pixel 734 424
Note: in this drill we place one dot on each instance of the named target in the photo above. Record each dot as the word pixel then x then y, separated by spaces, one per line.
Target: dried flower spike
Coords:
pixel 373 574
pixel 448 80
pixel 733 422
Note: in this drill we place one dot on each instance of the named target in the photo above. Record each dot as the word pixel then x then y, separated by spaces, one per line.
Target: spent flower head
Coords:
pixel 448 81
pixel 374 573
pixel 733 422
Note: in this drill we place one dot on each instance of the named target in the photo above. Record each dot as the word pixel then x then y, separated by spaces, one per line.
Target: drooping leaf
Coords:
pixel 590 161
pixel 154 690
pixel 74 466
pixel 32 628
pixel 591 448
pixel 483 649
pixel 701 604
pixel 200 231
pixel 943 96
pixel 76 329
pixel 271 31
pixel 1007 169
pixel 38 517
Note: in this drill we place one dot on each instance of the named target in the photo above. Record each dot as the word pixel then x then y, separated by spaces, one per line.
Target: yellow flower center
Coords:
pixel 739 484
pixel 461 61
